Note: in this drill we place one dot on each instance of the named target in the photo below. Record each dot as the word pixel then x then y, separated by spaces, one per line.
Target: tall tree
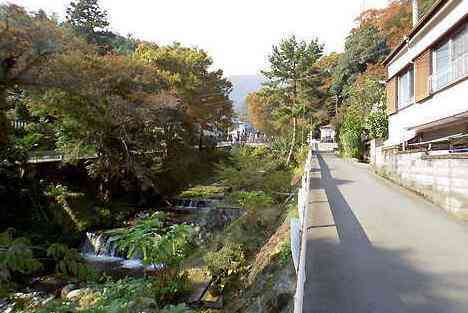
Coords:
pixel 365 45
pixel 87 17
pixel 292 70
pixel 29 42
pixel 204 93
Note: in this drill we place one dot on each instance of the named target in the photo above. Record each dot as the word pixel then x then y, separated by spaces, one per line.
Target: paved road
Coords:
pixel 374 247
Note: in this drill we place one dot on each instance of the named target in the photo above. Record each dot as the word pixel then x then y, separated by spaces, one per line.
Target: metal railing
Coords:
pixel 456 70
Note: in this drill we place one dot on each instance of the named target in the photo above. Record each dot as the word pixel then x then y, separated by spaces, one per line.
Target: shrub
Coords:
pixel 253 202
pixel 223 264
pixel 16 256
pixel 284 256
pixel 69 262
pixel 157 243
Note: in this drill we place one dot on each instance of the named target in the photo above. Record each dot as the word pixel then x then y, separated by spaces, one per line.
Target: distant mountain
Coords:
pixel 242 86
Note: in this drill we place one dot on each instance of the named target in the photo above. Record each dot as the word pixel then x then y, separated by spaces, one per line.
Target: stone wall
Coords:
pixel 440 177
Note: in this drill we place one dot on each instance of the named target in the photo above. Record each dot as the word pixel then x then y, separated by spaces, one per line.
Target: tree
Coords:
pixel 128 122
pixel 364 116
pixel 87 18
pixel 364 46
pixel 261 107
pixel 203 93
pixel 29 42
pixel 292 70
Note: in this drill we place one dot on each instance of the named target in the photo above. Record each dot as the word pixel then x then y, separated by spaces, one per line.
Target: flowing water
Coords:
pixel 100 249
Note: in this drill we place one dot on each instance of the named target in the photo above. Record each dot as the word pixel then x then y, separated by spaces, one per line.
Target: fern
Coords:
pixel 69 262
pixel 16 256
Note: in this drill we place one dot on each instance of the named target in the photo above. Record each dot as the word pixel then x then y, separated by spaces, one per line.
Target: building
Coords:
pixel 427 102
pixel 327 133
pixel 427 89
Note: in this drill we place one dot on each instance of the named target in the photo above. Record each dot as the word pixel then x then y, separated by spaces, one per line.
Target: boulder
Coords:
pixel 67 289
pixel 76 294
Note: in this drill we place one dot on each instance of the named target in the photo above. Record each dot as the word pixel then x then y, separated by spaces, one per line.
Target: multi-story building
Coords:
pixel 427 93
pixel 427 89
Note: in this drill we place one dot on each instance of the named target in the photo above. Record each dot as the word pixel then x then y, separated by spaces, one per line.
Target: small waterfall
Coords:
pixel 100 244
pixel 100 247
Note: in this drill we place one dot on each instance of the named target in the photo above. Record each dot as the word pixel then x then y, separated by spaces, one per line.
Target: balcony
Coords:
pixel 458 69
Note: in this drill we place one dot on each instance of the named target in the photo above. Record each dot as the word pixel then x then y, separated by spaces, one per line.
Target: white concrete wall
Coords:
pixel 327 133
pixel 446 103
pixel 448 17
pixel 326 146
pixel 303 208
pixel 443 179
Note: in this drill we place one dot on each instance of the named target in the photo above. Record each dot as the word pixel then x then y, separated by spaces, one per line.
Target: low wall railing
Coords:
pixel 298 234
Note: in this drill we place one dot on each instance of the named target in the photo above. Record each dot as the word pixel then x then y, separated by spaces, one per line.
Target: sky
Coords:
pixel 237 34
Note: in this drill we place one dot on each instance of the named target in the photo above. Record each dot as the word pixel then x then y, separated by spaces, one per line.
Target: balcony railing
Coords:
pixel 457 69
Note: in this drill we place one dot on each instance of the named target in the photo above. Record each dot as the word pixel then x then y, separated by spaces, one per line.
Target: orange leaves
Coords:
pixel 394 20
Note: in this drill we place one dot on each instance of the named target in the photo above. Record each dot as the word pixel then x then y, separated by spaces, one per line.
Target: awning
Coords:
pixel 441 122
pixel 441 140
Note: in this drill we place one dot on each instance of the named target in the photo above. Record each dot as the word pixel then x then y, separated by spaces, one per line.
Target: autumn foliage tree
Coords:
pixel 135 113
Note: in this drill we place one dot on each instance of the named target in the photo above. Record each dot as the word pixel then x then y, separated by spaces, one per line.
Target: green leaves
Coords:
pixel 228 261
pixel 364 116
pixel 87 17
pixel 69 262
pixel 365 45
pixel 157 243
pixel 16 256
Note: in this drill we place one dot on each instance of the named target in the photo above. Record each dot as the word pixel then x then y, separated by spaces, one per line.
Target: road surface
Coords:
pixel 374 247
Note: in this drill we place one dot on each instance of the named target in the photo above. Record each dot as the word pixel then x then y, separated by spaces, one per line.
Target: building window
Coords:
pixel 450 60
pixel 406 88
pixel 460 54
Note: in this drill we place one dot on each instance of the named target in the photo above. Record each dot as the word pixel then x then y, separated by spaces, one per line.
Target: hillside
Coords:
pixel 242 86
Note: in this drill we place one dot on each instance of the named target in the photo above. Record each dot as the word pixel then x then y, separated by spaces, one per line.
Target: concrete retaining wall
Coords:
pixel 440 177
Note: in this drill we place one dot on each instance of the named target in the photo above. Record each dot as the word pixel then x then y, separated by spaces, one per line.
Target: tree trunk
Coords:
pixel 200 142
pixel 4 124
pixel 293 142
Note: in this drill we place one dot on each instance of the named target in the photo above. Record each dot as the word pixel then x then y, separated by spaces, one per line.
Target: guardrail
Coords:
pixel 52 156
pixel 45 156
pixel 299 248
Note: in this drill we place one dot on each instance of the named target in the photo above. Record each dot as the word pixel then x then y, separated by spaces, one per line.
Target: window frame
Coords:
pixel 410 87
pixel 451 61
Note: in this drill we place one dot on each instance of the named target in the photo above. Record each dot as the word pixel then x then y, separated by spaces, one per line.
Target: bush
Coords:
pixel 157 243
pixel 253 202
pixel 16 257
pixel 284 256
pixel 223 264
pixel 69 263
pixel 377 123
pixel 248 167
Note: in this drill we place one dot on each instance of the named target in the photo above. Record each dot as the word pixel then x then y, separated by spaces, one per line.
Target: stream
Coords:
pixel 100 250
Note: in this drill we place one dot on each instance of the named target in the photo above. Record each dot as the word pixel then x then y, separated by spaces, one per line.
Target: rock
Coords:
pixel 30 299
pixel 49 284
pixel 9 309
pixel 6 307
pixel 67 289
pixel 76 294
pixel 47 300
pixel 144 305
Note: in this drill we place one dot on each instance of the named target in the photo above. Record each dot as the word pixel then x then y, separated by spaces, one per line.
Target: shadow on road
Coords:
pixel 349 275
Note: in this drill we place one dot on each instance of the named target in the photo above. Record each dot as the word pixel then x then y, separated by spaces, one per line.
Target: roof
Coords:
pixel 436 7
